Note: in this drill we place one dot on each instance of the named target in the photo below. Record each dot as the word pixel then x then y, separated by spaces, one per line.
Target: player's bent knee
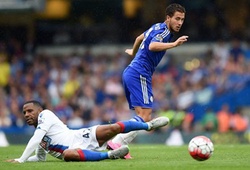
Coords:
pixel 115 128
pixel 71 155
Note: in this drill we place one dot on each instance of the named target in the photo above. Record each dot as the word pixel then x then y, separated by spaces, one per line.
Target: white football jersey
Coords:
pixel 59 137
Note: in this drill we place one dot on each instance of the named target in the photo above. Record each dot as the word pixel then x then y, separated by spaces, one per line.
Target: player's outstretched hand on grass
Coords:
pixel 12 161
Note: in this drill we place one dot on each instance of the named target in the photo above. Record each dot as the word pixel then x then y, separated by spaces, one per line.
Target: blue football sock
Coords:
pixel 88 155
pixel 127 126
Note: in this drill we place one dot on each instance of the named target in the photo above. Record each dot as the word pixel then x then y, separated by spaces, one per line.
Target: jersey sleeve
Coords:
pixel 45 120
pixel 160 34
pixel 40 155
pixel 157 33
pixel 32 145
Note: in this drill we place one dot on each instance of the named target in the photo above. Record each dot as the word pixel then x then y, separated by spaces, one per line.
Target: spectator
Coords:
pixel 16 115
pixel 209 121
pixel 86 97
pixel 71 86
pixel 247 52
pixel 63 110
pixel 5 70
pixel 75 121
pixel 236 50
pixel 223 116
pixel 221 52
pixel 5 120
pixel 238 123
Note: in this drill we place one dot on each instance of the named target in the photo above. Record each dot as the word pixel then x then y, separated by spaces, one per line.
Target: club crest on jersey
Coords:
pixel 159 37
pixel 41 120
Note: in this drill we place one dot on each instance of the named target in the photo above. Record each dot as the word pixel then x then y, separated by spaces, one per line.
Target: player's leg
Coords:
pixel 125 139
pixel 89 155
pixel 144 113
pixel 127 126
pixel 139 94
pixel 106 132
pixel 138 91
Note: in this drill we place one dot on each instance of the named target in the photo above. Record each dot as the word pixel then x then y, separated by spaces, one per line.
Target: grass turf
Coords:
pixel 145 157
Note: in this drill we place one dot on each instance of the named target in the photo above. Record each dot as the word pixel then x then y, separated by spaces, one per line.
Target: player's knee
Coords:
pixel 67 155
pixel 115 128
pixel 71 155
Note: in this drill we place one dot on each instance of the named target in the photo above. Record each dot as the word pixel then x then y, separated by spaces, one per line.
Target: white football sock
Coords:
pixel 125 139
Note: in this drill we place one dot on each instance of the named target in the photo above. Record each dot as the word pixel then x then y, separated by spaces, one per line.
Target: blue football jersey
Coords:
pixel 146 61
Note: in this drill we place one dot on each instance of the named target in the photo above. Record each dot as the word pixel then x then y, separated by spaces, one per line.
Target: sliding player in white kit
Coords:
pixel 54 137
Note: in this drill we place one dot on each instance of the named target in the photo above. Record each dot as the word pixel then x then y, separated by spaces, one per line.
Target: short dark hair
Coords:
pixel 172 8
pixel 35 102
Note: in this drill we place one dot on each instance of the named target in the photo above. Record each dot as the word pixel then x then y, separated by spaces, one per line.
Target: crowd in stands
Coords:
pixel 86 89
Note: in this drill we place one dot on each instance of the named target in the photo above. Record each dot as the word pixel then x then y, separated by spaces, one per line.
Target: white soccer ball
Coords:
pixel 201 148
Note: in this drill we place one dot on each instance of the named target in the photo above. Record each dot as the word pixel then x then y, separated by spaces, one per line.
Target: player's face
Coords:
pixel 31 112
pixel 176 21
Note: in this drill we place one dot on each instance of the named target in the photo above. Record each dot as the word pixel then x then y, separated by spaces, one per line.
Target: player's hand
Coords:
pixel 12 161
pixel 129 52
pixel 181 40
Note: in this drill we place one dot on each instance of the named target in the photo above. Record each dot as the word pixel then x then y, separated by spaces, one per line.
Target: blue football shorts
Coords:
pixel 138 89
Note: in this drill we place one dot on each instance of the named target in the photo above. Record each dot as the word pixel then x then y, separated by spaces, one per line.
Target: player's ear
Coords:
pixel 167 17
pixel 40 109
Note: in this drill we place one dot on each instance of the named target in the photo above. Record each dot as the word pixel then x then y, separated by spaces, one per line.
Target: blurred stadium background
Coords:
pixel 69 54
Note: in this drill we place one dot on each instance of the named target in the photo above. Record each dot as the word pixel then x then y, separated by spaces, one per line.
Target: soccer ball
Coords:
pixel 201 148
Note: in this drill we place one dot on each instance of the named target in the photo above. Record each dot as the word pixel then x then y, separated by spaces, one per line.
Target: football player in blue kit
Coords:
pixel 148 50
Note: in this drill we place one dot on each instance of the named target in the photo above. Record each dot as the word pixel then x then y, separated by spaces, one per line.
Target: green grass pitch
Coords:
pixel 145 157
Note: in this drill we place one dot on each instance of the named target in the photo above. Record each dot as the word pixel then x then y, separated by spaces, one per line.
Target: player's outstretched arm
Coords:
pixel 39 156
pixel 31 146
pixel 160 46
pixel 136 46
